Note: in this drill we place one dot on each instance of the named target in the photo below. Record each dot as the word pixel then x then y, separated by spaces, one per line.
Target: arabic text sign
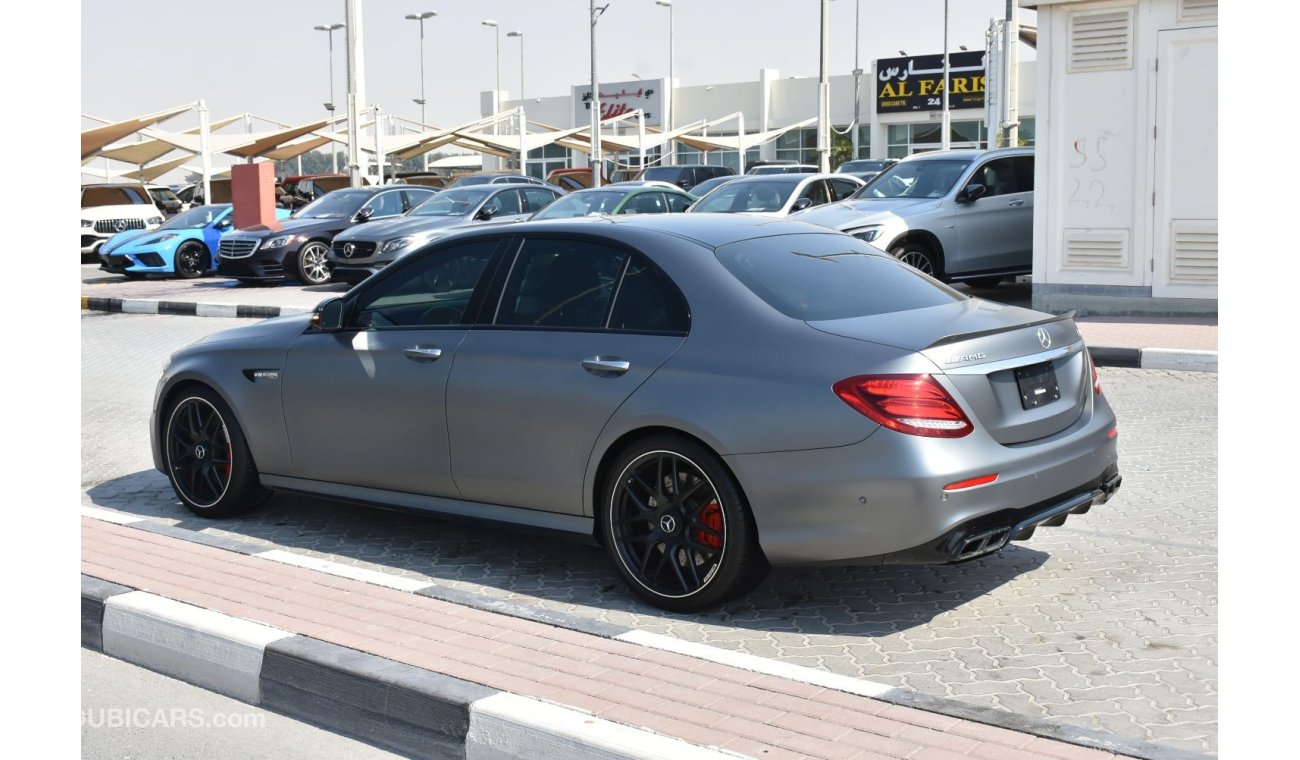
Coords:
pixel 618 98
pixel 915 83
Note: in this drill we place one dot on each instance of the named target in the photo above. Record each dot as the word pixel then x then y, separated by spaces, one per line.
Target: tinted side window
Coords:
pixel 677 203
pixel 560 283
pixel 416 197
pixel 816 191
pixel 537 198
pixel 1025 171
pixel 645 203
pixel 386 204
pixel 1000 177
pixel 505 203
pixel 648 301
pixel 842 188
pixel 434 291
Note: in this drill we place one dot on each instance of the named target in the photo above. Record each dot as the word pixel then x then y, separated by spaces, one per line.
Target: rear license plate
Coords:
pixel 1037 385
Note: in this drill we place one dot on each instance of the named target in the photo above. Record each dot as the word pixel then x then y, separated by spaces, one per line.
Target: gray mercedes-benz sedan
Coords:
pixel 704 395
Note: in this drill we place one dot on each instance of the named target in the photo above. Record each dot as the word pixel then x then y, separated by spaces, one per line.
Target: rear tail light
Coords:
pixel 1096 381
pixel 912 404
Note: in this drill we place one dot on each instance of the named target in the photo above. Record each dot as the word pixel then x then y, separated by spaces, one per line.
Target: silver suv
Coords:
pixel 958 215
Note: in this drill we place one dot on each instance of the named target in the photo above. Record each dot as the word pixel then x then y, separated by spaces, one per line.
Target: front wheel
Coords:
pixel 191 260
pixel 208 461
pixel 677 526
pixel 917 256
pixel 313 263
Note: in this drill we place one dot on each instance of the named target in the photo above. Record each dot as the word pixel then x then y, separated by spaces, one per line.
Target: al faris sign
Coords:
pixel 618 98
pixel 916 83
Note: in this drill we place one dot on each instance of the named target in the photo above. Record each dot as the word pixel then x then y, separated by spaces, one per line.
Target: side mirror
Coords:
pixel 328 315
pixel 801 204
pixel 486 213
pixel 364 214
pixel 971 193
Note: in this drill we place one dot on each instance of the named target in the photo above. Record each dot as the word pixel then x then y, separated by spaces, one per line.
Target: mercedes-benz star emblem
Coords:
pixel 349 249
pixel 120 226
pixel 668 523
pixel 1044 337
pixel 200 451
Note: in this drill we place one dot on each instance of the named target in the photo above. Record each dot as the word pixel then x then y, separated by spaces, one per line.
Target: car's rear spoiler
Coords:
pixel 958 337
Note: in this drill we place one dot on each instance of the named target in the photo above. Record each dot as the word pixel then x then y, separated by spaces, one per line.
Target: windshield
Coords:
pixel 455 202
pixel 662 173
pixel 586 203
pixel 196 218
pixel 819 277
pixel 747 196
pixel 334 205
pixel 916 179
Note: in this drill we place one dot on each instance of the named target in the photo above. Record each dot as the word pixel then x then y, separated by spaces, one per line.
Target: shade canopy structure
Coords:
pixel 299 147
pixel 154 171
pixel 740 142
pixel 95 139
pixel 412 145
pixel 153 149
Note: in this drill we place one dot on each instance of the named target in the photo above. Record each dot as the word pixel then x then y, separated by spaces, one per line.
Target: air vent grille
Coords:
pixel 1101 40
pixel 1198 10
pixel 1092 249
pixel 1194 258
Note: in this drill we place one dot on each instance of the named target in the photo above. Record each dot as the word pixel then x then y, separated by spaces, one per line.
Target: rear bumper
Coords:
pixel 882 500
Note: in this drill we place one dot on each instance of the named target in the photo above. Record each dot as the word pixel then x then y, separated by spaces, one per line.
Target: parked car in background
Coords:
pixel 107 209
pixel 192 195
pixel 620 198
pixel 781 168
pixel 867 168
pixel 706 187
pixel 184 246
pixel 495 178
pixel 776 194
pixel 361 251
pixel 303 189
pixel 165 200
pixel 438 181
pixel 706 396
pixel 299 248
pixel 573 179
pixel 685 176
pixel 958 215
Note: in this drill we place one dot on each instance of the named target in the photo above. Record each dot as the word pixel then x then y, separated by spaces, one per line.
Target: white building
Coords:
pixel 1126 179
pixel 772 102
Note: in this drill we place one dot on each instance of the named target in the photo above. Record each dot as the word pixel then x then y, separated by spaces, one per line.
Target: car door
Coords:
pixel 996 231
pixel 364 406
pixel 572 336
pixel 537 198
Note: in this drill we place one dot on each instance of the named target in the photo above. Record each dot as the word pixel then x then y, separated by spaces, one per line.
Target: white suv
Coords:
pixel 112 208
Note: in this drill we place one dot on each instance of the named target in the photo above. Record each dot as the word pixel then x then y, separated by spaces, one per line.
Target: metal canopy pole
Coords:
pixel 595 100
pixel 1011 54
pixel 205 148
pixel 946 137
pixel 857 77
pixel 356 89
pixel 823 104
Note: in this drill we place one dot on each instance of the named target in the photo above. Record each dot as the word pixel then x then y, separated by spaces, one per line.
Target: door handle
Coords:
pixel 423 353
pixel 1016 203
pixel 611 364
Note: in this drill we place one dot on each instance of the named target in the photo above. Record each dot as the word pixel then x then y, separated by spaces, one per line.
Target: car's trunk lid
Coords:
pixel 980 348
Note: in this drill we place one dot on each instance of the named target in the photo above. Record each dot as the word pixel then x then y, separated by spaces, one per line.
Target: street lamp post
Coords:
pixel 496 91
pixel 672 83
pixel 522 124
pixel 823 104
pixel 334 154
pixel 857 78
pixel 520 35
pixel 946 138
pixel 423 121
pixel 595 98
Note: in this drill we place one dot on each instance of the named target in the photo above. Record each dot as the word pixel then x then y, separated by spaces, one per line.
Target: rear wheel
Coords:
pixel 313 263
pixel 191 260
pixel 917 256
pixel 208 461
pixel 677 526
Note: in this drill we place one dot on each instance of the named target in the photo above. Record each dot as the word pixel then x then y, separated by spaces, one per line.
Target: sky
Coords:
pixel 265 57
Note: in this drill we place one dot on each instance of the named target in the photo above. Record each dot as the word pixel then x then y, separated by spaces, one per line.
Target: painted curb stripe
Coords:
pixel 362 574
pixel 108 515
pixel 1177 358
pixel 511 726
pixel 201 646
pixel 94 592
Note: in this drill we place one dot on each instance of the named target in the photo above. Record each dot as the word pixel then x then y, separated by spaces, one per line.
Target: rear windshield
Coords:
pixel 113 196
pixel 818 277
pixel 662 173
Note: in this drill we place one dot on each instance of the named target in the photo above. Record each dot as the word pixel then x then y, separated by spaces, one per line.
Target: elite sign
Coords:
pixel 618 98
pixel 916 83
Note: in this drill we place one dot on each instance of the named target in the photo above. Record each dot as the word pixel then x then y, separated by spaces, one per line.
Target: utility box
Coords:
pixel 252 190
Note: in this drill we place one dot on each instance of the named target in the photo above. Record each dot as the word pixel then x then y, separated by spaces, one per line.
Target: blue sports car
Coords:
pixel 185 246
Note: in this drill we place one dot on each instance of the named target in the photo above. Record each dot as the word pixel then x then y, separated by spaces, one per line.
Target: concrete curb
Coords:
pixel 391 705
pixel 863 687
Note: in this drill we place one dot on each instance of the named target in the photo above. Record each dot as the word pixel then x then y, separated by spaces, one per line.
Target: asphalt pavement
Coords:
pixel 1108 622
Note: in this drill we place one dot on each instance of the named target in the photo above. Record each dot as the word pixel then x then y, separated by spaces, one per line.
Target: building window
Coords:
pixel 546 159
pixel 799 145
pixel 906 139
pixel 722 157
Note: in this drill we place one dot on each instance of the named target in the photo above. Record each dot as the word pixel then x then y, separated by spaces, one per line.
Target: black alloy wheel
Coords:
pixel 207 459
pixel 678 527
pixel 191 260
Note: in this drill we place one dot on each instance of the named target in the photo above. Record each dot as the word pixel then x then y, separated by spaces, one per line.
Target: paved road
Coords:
pixel 1108 622
pixel 130 712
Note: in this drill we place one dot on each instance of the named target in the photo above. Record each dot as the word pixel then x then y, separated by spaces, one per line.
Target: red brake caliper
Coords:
pixel 711 517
